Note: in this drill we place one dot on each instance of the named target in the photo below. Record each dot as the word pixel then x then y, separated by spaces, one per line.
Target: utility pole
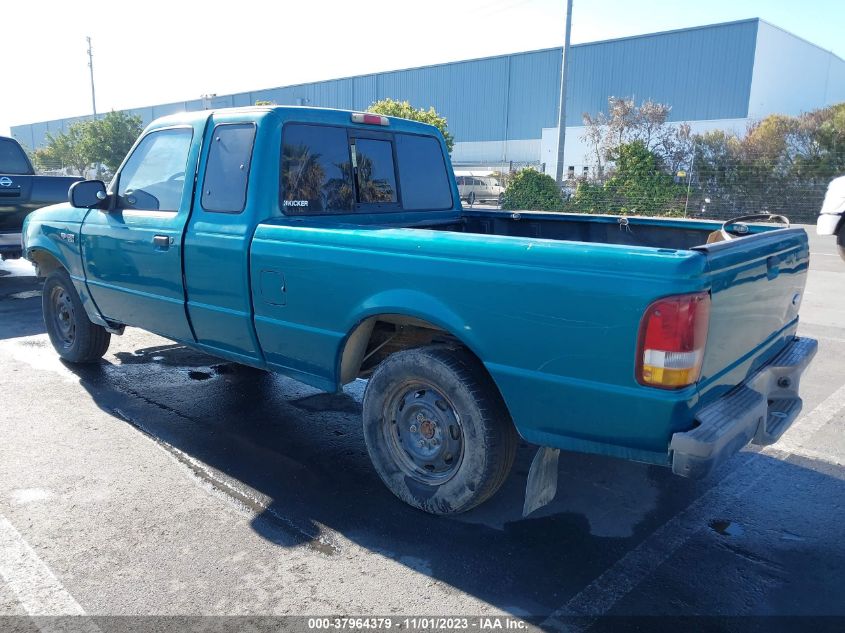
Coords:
pixel 91 68
pixel 561 123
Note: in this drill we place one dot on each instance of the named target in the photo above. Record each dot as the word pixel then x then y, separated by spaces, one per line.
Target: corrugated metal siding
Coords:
pixel 703 73
pixel 534 92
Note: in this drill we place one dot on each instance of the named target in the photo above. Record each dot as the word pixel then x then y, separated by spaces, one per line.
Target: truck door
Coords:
pixel 132 253
pixel 218 238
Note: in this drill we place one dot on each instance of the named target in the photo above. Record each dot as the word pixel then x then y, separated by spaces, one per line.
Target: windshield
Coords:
pixel 12 158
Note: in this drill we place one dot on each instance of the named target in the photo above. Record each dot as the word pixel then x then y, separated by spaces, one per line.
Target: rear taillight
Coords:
pixel 673 333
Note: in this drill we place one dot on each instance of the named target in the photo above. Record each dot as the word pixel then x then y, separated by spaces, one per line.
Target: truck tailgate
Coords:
pixel 757 286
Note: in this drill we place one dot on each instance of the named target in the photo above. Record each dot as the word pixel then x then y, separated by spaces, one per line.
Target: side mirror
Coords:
pixel 87 194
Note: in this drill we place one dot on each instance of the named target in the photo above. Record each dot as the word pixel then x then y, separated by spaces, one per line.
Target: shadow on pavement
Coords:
pixel 20 301
pixel 297 456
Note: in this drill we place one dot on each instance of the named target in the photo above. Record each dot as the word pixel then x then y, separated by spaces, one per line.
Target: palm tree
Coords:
pixel 302 175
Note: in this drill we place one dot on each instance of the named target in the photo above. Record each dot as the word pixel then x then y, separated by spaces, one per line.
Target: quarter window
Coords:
pixel 154 176
pixel 227 168
pixel 316 170
pixel 423 174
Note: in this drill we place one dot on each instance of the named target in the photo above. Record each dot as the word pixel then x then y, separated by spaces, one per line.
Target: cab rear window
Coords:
pixel 316 170
pixel 327 169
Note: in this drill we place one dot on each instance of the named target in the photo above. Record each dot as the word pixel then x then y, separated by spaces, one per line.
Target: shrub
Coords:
pixel 530 190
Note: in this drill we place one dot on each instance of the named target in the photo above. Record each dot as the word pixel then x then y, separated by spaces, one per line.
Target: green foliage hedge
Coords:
pixel 531 190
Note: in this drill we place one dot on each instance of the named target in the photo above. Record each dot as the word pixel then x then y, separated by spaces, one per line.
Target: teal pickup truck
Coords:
pixel 330 246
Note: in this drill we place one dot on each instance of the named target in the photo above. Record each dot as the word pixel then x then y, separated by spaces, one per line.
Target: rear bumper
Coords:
pixel 10 245
pixel 759 411
pixel 827 224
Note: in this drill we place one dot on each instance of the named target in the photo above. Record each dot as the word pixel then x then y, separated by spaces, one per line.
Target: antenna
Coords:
pixel 91 68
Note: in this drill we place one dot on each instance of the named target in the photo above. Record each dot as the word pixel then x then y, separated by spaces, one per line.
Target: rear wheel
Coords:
pixel 437 430
pixel 73 336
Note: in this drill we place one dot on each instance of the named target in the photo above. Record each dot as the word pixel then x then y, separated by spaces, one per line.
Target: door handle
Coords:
pixel 162 241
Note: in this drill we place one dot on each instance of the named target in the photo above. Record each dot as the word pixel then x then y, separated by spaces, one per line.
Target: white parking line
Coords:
pixel 36 587
pixel 599 597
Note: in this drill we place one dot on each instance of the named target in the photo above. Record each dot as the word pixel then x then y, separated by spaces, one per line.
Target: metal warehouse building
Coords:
pixel 504 109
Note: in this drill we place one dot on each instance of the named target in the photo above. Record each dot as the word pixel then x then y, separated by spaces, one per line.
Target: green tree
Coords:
pixel 404 110
pixel 782 164
pixel 640 185
pixel 65 149
pixel 529 189
pixel 108 140
pixel 104 141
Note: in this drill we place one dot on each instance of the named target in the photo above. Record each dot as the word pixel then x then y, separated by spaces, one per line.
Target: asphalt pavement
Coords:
pixel 164 482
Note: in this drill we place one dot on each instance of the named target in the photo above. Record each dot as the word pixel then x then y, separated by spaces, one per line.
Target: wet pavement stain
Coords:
pixel 339 402
pixel 726 528
pixel 27 294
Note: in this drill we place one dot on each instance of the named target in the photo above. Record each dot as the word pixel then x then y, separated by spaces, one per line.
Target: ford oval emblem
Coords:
pixel 5 181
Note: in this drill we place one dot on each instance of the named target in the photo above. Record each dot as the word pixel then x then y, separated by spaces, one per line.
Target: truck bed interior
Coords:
pixel 647 232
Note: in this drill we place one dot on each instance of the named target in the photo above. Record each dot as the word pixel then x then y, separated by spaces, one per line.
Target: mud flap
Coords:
pixel 542 480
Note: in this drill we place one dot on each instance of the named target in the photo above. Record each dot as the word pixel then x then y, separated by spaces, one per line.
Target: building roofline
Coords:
pixel 510 54
pixel 803 39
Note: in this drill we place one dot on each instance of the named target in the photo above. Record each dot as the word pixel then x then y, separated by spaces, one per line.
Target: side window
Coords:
pixel 316 170
pixel 423 173
pixel 154 176
pixel 376 175
pixel 227 168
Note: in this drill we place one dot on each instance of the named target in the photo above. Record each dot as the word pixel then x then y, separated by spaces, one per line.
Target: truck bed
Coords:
pixel 672 233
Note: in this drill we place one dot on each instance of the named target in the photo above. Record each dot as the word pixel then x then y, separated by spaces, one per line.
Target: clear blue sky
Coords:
pixel 158 51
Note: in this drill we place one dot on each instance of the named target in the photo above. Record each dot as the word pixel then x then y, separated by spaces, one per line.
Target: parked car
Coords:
pixel 831 220
pixel 21 192
pixel 329 245
pixel 474 189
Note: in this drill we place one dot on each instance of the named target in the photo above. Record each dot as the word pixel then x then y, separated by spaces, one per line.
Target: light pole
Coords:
pixel 561 122
pixel 91 68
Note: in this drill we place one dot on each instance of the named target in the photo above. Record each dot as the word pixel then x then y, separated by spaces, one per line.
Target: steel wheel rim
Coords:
pixel 424 433
pixel 63 316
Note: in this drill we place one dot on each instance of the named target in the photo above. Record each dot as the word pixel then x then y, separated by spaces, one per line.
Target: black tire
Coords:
pixel 840 239
pixel 444 398
pixel 73 336
pixel 501 199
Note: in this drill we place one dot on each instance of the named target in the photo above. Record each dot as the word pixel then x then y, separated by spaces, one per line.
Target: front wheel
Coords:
pixel 73 336
pixel 437 430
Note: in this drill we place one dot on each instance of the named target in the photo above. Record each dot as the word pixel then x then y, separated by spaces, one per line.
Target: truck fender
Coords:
pixel 47 257
pixel 412 304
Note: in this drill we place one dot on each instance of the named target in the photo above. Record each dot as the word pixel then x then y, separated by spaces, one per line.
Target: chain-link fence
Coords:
pixel 740 189
pixel 727 190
